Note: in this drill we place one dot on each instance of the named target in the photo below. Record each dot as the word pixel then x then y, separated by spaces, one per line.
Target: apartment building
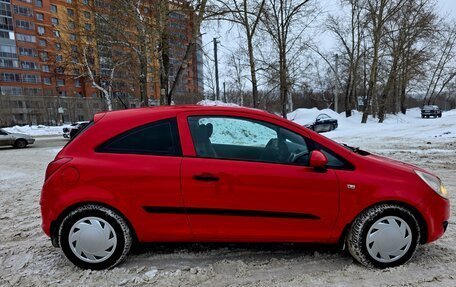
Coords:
pixel 38 38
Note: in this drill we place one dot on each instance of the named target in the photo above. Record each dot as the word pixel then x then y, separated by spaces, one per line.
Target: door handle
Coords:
pixel 206 177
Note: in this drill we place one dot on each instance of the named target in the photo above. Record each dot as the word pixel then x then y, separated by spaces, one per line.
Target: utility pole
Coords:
pixel 336 86
pixel 217 88
pixel 224 93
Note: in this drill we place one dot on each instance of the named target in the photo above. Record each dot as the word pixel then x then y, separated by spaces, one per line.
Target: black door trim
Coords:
pixel 228 212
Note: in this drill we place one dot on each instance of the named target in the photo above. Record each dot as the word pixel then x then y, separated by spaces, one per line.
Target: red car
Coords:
pixel 194 173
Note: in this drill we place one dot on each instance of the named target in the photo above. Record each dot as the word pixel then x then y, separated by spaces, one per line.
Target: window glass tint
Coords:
pixel 333 160
pixel 244 139
pixel 159 138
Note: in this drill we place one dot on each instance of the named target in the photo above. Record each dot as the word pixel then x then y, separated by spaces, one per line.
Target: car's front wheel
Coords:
pixel 95 237
pixel 20 143
pixel 384 236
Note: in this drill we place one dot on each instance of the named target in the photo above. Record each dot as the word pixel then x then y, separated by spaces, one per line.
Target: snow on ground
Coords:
pixel 36 130
pixel 28 259
pixel 399 126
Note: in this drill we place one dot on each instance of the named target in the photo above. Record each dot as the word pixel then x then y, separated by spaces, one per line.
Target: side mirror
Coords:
pixel 318 160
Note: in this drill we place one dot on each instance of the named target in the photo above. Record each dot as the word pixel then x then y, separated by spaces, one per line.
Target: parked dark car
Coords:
pixel 431 111
pixel 323 123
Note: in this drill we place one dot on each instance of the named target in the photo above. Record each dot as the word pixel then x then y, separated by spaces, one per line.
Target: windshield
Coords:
pixel 323 116
pixel 428 107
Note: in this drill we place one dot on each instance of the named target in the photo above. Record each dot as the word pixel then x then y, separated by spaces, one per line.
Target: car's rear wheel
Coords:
pixel 384 236
pixel 95 237
pixel 20 143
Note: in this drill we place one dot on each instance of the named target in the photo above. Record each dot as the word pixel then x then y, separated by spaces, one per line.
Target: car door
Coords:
pixel 238 182
pixel 5 138
pixel 142 166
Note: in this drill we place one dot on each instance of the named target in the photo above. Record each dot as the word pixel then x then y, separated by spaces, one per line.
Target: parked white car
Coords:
pixel 15 139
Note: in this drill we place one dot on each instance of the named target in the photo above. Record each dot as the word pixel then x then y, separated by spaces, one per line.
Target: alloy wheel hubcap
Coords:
pixel 388 239
pixel 92 239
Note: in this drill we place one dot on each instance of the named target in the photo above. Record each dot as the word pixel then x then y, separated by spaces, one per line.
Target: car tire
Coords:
pixel 95 237
pixel 20 143
pixel 383 236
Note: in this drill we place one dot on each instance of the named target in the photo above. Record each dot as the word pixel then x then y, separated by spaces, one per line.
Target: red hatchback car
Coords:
pixel 194 173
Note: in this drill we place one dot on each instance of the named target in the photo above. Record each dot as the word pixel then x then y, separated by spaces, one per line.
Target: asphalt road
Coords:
pixel 44 142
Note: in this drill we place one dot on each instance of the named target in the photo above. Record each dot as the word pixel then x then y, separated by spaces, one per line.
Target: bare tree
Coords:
pixel 350 37
pixel 379 12
pixel 285 22
pixel 246 14
pixel 443 70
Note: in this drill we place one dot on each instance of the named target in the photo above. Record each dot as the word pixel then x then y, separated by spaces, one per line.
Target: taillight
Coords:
pixel 54 165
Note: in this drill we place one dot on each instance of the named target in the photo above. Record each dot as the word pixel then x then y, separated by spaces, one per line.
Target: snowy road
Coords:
pixel 28 259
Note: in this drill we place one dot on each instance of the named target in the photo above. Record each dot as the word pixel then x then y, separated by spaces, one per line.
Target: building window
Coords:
pixel 53 8
pixel 42 42
pixel 39 16
pixel 88 27
pixel 25 38
pixel 71 25
pixel 85 2
pixel 77 83
pixel 70 12
pixel 59 58
pixel 58 46
pixel 27 52
pixel 60 82
pixel 25 25
pixel 24 11
pixel 26 65
pixel 87 14
pixel 7 51
pixel 9 63
pixel 69 1
pixel 44 56
pixel 57 33
pixel 6 23
pixel 40 30
pixel 47 81
pixel 39 3
pixel 34 79
pixel 72 37
pixel 45 68
pixel 10 77
pixel 54 21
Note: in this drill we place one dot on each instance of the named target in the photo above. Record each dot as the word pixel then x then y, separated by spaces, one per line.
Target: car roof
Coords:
pixel 177 109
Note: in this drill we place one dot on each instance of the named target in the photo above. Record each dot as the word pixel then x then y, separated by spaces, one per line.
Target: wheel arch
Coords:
pixel 55 224
pixel 418 216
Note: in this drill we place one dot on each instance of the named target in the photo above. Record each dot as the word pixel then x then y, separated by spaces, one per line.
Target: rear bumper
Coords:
pixel 430 113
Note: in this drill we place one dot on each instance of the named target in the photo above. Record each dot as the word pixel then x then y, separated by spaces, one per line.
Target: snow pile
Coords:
pixel 408 126
pixel 216 104
pixel 308 116
pixel 36 130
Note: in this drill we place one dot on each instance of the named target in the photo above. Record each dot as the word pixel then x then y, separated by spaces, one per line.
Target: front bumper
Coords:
pixel 30 141
pixel 436 213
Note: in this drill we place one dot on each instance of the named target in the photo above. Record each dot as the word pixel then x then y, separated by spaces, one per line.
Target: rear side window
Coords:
pixel 158 138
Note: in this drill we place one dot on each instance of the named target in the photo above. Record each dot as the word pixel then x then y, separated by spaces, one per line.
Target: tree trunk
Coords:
pixel 252 72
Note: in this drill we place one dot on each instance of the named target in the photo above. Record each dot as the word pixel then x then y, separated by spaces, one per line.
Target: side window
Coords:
pixel 246 139
pixel 333 160
pixel 158 138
